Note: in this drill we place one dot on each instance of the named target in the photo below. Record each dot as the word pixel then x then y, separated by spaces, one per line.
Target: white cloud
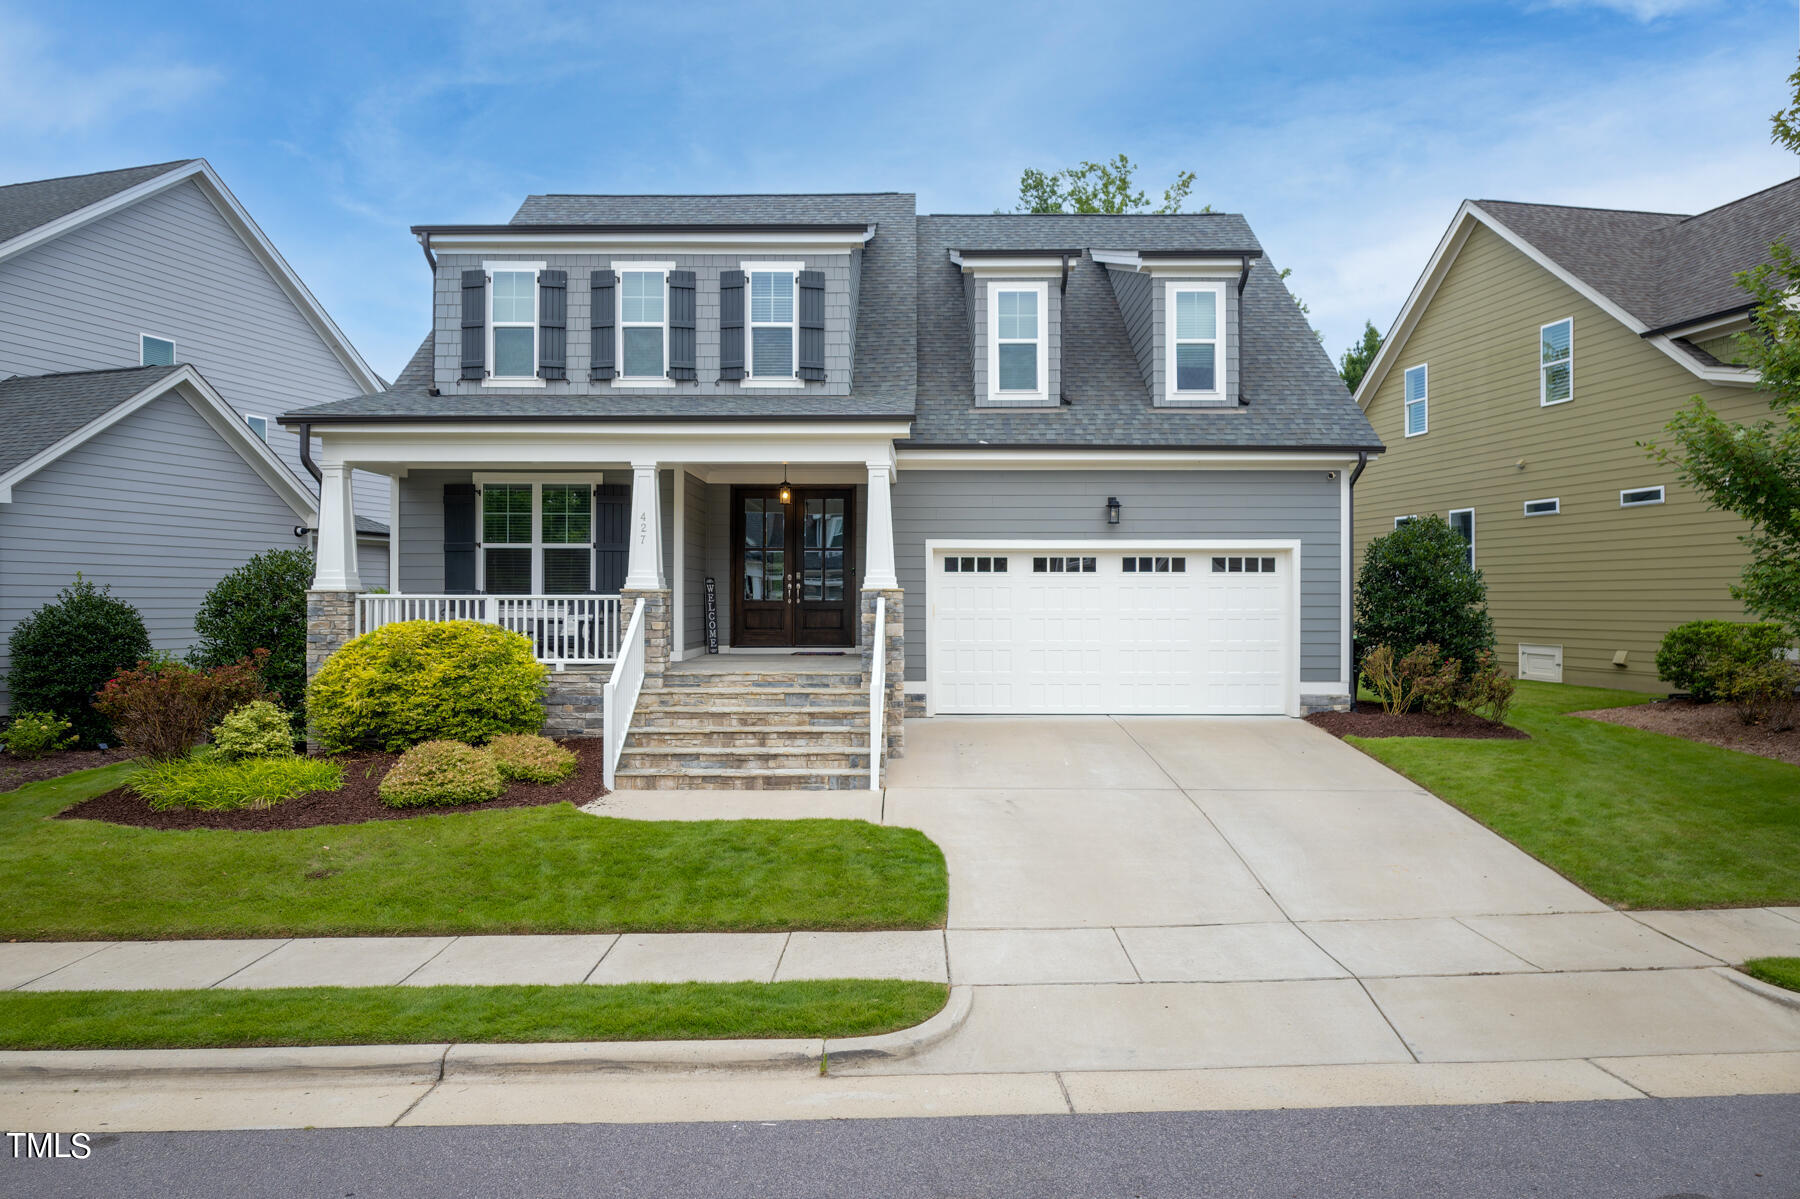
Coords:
pixel 1641 10
pixel 44 90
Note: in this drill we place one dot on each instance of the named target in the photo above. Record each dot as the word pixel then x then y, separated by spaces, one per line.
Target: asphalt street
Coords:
pixel 1723 1148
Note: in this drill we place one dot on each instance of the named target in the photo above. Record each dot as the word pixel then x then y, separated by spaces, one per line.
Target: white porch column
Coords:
pixel 878 567
pixel 643 565
pixel 335 558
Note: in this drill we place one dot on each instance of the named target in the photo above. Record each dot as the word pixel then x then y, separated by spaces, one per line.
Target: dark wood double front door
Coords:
pixel 793 566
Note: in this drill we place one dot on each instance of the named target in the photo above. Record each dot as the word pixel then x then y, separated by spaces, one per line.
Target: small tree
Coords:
pixel 63 653
pixel 1417 588
pixel 262 605
pixel 1096 187
pixel 1355 362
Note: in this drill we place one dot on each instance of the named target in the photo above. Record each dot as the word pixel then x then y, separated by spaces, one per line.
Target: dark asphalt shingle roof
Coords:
pixel 25 206
pixel 1663 268
pixel 37 411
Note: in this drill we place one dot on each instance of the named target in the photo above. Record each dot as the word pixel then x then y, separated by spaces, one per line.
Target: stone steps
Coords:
pixel 766 696
pixel 634 779
pixel 774 737
pixel 743 757
pixel 769 716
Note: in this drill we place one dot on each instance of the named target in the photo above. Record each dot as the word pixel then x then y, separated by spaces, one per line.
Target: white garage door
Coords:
pixel 1141 631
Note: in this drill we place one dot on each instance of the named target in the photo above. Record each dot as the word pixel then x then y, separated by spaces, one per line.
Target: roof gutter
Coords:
pixel 1699 320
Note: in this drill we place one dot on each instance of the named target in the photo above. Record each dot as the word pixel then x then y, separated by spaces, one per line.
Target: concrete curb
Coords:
pixel 1755 986
pixel 441 1061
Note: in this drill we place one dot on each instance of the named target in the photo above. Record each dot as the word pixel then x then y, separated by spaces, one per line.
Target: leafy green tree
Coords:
pixel 1096 187
pixel 1416 587
pixel 1355 362
pixel 1752 468
pixel 262 605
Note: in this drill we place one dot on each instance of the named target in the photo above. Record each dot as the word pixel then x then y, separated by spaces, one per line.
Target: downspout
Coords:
pixel 425 245
pixel 306 458
pixel 1362 461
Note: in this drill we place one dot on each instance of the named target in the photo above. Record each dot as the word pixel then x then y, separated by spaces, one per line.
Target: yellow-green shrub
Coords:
pixel 423 680
pixel 259 729
pixel 441 774
pixel 531 759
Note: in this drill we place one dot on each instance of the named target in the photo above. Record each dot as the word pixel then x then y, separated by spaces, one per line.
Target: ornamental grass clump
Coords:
pixel 205 782
pixel 442 774
pixel 526 758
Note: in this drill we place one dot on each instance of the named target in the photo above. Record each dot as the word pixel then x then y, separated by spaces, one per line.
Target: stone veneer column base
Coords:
pixel 895 624
pixel 330 621
pixel 658 627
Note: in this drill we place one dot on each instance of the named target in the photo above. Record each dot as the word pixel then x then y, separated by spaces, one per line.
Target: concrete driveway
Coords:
pixel 1166 893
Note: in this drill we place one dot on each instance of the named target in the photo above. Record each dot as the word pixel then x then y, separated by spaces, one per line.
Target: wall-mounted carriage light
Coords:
pixel 1113 508
pixel 787 493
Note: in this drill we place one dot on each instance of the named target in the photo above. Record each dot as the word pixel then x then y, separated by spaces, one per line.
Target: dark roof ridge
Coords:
pixel 170 165
pixel 1015 215
pixel 701 195
pixel 1681 216
pixel 1729 203
pixel 100 370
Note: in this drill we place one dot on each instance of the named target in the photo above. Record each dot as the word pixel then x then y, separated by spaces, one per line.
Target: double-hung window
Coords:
pixel 643 321
pixel 1196 334
pixel 1018 365
pixel 155 351
pixel 1418 400
pixel 1556 362
pixel 772 329
pixel 1462 520
pixel 537 538
pixel 512 322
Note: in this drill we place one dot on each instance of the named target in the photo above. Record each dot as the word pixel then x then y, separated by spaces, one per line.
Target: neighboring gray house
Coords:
pixel 149 334
pixel 1085 463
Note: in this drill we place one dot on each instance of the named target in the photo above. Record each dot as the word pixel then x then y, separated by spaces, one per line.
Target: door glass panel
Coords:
pixel 753 576
pixel 822 568
pixel 765 540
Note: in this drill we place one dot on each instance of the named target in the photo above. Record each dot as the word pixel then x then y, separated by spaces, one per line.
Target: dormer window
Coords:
pixel 512 350
pixel 771 320
pixel 1196 367
pixel 643 321
pixel 1018 369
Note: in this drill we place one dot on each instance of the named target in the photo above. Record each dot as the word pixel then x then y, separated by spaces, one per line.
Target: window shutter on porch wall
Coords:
pixel 811 360
pixel 600 345
pixel 474 324
pixel 460 509
pixel 553 324
pixel 681 326
pixel 612 536
pixel 731 324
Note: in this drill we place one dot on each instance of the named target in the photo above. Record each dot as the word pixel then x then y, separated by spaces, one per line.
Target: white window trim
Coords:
pixel 1424 400
pixel 1544 400
pixel 1662 495
pixel 1219 340
pixel 619 268
pixel 250 418
pixel 1400 520
pixel 1451 516
pixel 793 327
pixel 536 545
pixel 1551 499
pixel 174 347
pixel 1021 399
pixel 520 268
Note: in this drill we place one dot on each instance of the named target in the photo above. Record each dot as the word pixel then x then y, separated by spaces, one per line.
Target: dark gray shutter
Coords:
pixel 612 536
pixel 600 346
pixel 731 324
pixel 553 324
pixel 461 502
pixel 681 325
pixel 811 359
pixel 474 324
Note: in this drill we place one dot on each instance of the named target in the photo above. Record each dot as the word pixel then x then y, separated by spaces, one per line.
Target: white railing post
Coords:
pixel 618 699
pixel 878 693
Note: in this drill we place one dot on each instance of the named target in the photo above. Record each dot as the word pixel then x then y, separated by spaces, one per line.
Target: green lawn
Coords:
pixel 515 870
pixel 1639 819
pixel 1780 972
pixel 413 1015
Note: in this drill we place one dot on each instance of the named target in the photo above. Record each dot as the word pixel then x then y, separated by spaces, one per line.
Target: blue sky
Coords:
pixel 1346 132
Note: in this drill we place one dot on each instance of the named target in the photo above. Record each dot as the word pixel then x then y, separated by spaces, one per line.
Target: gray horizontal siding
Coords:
pixel 372 563
pixel 172 267
pixel 1197 504
pixel 158 506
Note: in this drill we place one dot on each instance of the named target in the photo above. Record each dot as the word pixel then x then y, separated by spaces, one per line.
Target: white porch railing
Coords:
pixel 564 629
pixel 878 693
pixel 618 699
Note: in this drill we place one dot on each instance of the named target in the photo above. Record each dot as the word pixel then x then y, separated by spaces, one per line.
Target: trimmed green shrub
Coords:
pixel 1416 587
pixel 1763 693
pixel 524 757
pixel 1487 690
pixel 441 774
pixel 262 605
pixel 258 729
pixel 424 680
pixel 206 782
pixel 63 653
pixel 37 735
pixel 163 708
pixel 1701 656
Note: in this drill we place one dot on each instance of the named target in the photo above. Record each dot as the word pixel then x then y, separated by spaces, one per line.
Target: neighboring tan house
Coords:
pixel 149 333
pixel 1008 464
pixel 1540 350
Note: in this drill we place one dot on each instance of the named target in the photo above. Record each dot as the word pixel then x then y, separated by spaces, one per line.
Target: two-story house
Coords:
pixel 1543 348
pixel 715 453
pixel 149 334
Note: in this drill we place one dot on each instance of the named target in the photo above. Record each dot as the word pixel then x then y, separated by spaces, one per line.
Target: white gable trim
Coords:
pixel 1450 245
pixel 214 189
pixel 188 383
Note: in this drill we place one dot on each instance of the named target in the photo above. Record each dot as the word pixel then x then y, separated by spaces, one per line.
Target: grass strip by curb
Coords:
pixel 224 1019
pixel 1777 972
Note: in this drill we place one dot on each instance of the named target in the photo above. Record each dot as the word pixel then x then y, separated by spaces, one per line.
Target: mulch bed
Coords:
pixel 1368 720
pixel 356 801
pixel 16 772
pixel 1711 724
